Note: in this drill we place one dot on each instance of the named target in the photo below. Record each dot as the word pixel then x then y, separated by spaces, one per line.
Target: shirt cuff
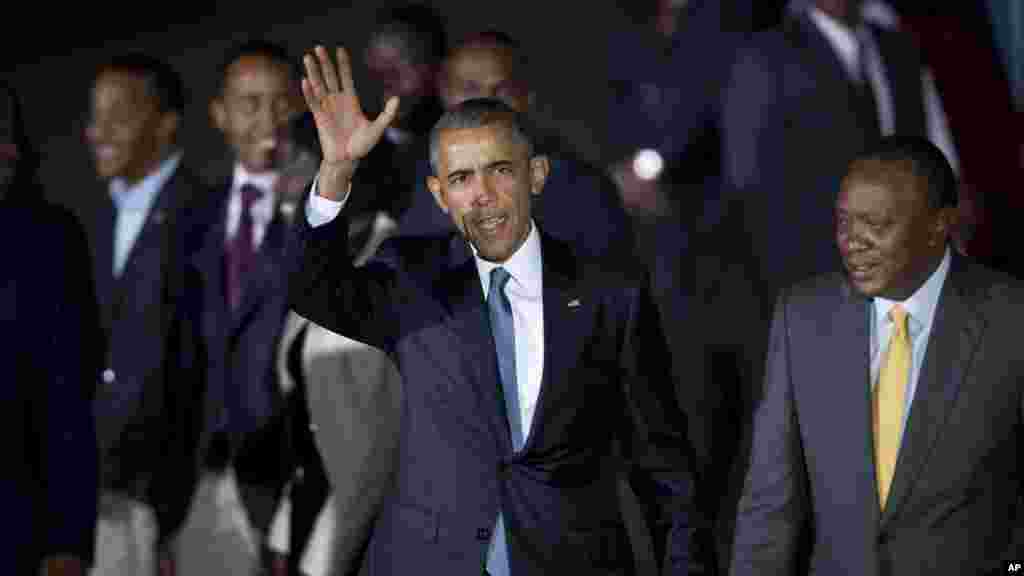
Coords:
pixel 320 210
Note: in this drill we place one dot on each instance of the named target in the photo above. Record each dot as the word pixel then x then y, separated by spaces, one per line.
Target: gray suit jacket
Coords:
pixel 809 503
pixel 353 393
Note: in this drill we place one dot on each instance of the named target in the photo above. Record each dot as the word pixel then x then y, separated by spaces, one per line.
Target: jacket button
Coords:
pixel 483 534
pixel 109 376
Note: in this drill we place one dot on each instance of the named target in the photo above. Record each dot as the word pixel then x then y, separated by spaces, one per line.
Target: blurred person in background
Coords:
pixel 50 363
pixel 137 233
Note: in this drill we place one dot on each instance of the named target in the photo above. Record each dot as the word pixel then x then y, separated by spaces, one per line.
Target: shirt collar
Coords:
pixel 922 303
pixel 524 265
pixel 266 181
pixel 140 196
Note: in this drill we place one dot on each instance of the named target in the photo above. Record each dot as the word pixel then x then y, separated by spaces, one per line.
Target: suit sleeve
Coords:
pixel 63 401
pixel 660 455
pixel 772 508
pixel 328 290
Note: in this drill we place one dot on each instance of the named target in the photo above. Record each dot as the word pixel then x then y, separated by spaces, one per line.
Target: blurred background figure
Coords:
pixel 50 364
pixel 234 293
pixel 802 100
pixel 136 234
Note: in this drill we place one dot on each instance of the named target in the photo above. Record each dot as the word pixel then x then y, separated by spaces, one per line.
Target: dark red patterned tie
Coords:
pixel 240 249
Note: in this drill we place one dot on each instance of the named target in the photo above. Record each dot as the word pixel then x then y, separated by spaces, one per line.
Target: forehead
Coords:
pixel 386 49
pixel 881 190
pixel 480 62
pixel 470 148
pixel 113 86
pixel 256 71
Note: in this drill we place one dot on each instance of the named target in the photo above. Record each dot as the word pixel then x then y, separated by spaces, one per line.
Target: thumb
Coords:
pixel 387 116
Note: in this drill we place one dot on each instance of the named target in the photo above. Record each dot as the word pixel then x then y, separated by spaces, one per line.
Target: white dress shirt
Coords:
pixel 847 44
pixel 920 308
pixel 262 209
pixel 133 204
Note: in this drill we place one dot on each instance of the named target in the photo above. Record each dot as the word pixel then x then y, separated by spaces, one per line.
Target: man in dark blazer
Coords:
pixel 137 234
pixel 519 412
pixel 801 101
pixel 50 363
pixel 888 437
pixel 235 303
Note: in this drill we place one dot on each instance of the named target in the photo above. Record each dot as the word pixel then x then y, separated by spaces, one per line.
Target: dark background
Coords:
pixel 52 61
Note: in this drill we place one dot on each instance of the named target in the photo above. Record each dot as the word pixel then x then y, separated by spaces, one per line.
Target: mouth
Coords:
pixel 267 144
pixel 492 224
pixel 862 270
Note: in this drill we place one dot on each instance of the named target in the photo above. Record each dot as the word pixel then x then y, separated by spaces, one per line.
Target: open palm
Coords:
pixel 346 134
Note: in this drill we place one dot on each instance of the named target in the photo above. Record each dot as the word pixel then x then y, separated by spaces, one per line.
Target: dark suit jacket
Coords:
pixel 791 124
pixel 810 502
pixel 49 360
pixel 603 388
pixel 133 420
pixel 228 357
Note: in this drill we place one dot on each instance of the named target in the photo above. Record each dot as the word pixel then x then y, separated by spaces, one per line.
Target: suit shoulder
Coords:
pixel 814 288
pixel 996 288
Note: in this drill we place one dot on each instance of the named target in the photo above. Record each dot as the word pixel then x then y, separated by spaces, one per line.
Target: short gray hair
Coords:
pixel 477 113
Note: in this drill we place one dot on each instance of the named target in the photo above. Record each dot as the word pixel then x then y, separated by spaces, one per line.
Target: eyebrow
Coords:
pixel 488 166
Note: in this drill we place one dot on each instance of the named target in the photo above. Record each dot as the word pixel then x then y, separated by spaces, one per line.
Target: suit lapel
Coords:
pixel 820 50
pixel 208 261
pixel 851 398
pixel 103 259
pixel 568 319
pixel 956 332
pixel 466 316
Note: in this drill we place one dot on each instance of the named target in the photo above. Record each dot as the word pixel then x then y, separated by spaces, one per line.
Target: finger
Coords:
pixel 387 116
pixel 345 69
pixel 327 69
pixel 307 94
pixel 316 83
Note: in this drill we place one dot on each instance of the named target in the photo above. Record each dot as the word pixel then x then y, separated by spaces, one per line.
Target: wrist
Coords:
pixel 334 179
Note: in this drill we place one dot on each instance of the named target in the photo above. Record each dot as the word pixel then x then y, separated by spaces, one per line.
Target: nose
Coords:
pixel 484 192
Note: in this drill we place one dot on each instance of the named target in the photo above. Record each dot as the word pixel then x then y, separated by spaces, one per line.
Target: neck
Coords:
pixel 150 167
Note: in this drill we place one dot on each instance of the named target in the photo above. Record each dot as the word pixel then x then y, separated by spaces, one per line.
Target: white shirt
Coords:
pixel 133 204
pixel 846 44
pixel 524 291
pixel 920 309
pixel 262 209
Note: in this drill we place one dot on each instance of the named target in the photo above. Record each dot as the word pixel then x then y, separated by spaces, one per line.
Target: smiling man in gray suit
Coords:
pixel 888 438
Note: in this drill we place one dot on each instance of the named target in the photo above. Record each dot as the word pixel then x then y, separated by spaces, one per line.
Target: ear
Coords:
pixel 218 114
pixel 540 167
pixel 944 225
pixel 169 123
pixel 434 185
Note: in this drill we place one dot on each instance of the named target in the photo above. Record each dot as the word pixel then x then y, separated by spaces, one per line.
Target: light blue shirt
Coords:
pixel 920 309
pixel 133 204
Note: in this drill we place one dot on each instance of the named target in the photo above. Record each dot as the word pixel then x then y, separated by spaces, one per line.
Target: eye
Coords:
pixel 456 179
pixel 505 169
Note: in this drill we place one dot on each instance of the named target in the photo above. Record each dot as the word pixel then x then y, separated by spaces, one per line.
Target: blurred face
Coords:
pixel 889 238
pixel 254 112
pixel 127 134
pixel 389 65
pixel 481 71
pixel 484 182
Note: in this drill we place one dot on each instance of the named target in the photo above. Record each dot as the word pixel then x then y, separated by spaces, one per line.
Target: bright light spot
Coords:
pixel 648 164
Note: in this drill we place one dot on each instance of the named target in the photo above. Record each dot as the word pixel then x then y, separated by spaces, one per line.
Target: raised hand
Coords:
pixel 346 134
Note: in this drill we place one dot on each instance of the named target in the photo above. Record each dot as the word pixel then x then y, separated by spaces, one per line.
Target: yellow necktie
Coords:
pixel 888 402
